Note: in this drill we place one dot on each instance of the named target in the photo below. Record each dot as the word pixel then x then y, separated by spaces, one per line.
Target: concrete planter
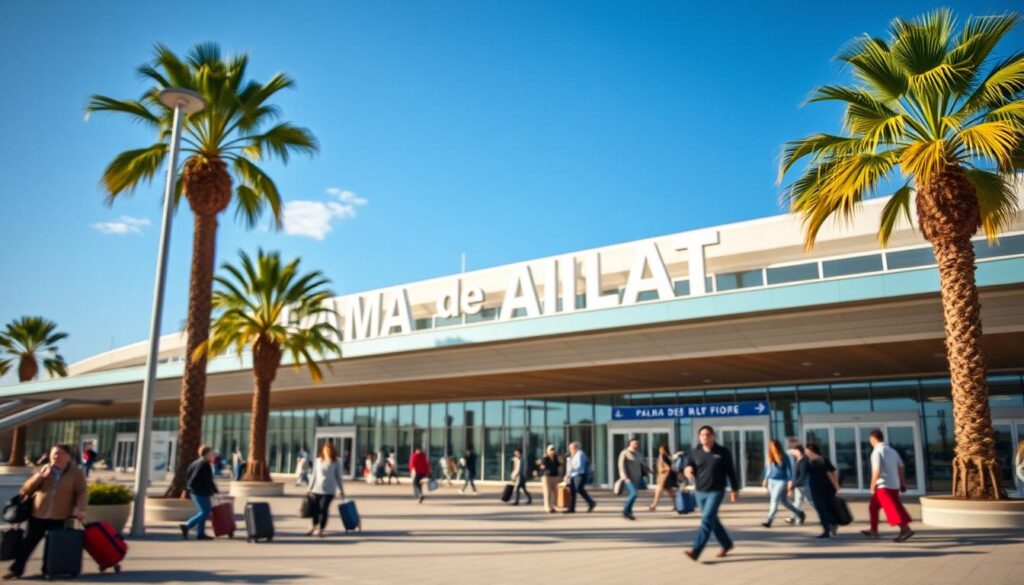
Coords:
pixel 116 514
pixel 948 512
pixel 169 509
pixel 257 489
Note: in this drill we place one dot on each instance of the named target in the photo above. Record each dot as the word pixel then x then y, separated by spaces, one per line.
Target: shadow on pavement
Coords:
pixel 182 576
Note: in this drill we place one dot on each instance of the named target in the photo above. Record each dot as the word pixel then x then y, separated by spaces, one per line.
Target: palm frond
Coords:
pixel 997 197
pixel 898 206
pixel 131 168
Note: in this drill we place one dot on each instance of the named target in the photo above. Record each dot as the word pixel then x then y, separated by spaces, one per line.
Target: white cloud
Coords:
pixel 125 224
pixel 315 219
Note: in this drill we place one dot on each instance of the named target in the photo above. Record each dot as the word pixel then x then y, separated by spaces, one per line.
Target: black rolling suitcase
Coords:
pixel 62 553
pixel 259 523
pixel 506 492
pixel 842 512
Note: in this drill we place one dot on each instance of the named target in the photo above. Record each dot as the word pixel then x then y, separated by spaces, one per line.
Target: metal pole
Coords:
pixel 142 454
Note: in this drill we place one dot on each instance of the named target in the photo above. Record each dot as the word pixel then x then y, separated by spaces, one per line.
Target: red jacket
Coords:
pixel 418 464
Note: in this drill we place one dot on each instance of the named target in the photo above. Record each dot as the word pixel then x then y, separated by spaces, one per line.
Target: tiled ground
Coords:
pixel 461 539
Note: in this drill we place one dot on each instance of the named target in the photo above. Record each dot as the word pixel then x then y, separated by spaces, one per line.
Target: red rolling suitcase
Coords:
pixel 105 545
pixel 223 517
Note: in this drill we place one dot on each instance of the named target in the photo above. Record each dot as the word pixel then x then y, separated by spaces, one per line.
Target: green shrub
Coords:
pixel 106 494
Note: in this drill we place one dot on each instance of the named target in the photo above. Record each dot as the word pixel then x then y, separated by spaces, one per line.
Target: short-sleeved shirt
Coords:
pixel 886 460
pixel 712 468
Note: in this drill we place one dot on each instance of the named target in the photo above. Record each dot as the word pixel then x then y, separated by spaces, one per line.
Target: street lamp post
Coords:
pixel 188 102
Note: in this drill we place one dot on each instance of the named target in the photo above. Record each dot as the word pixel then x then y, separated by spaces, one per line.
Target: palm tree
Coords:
pixel 222 145
pixel 930 104
pixel 29 340
pixel 273 309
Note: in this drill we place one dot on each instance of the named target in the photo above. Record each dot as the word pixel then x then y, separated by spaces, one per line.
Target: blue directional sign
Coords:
pixel 691 411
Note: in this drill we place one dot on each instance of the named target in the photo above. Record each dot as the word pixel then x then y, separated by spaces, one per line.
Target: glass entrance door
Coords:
pixel 847 446
pixel 650 439
pixel 124 452
pixel 344 440
pixel 749 447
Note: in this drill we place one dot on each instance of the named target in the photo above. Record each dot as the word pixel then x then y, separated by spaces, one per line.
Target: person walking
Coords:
pixel 520 474
pixel 1018 465
pixel 550 473
pixel 393 468
pixel 380 467
pixel 237 464
pixel 469 468
pixel 323 483
pixel 302 466
pixel 201 488
pixel 777 476
pixel 709 466
pixel 798 485
pixel 419 467
pixel 824 485
pixel 668 479
pixel 58 492
pixel 448 468
pixel 888 481
pixel 89 457
pixel 632 471
pixel 577 468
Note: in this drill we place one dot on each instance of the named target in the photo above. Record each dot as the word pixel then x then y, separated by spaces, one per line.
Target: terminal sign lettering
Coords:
pixel 690 411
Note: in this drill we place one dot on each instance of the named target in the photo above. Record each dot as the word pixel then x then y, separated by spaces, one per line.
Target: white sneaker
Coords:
pixel 462 491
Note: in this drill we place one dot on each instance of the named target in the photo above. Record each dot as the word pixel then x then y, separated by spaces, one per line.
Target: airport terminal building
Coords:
pixel 737 326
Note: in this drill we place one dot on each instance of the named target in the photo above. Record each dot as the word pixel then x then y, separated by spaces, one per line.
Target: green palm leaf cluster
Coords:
pixel 239 125
pixel 925 99
pixel 269 300
pixel 29 341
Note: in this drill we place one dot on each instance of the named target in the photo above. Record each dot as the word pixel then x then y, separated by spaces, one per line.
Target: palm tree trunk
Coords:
pixel 27 370
pixel 949 216
pixel 265 360
pixel 193 383
pixel 207 186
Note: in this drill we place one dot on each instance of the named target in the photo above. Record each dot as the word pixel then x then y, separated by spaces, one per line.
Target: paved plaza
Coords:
pixel 459 539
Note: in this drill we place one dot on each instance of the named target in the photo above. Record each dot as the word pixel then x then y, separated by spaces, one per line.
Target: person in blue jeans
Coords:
pixel 778 474
pixel 632 471
pixel 709 467
pixel 201 489
pixel 577 468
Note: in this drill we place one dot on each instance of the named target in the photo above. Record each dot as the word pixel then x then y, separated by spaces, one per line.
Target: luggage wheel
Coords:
pixel 117 568
pixel 231 534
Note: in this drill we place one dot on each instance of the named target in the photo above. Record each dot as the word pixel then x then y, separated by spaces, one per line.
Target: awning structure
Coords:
pixel 35 410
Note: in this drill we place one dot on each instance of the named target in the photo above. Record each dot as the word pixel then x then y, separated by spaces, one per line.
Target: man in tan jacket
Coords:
pixel 58 492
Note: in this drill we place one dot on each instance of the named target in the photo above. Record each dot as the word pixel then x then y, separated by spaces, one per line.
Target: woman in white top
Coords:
pixel 1018 469
pixel 323 482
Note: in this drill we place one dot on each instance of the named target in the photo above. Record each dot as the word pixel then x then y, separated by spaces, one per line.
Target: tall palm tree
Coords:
pixel 28 340
pixel 273 309
pixel 222 145
pixel 930 104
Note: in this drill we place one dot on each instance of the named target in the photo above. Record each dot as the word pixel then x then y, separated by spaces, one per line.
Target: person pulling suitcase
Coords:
pixel 323 483
pixel 58 492
pixel 201 489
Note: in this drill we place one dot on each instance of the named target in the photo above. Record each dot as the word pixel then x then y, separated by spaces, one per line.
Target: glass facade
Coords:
pixel 494 428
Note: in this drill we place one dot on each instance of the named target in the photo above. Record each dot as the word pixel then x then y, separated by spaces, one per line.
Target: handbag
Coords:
pixel 17 510
pixel 618 487
pixel 431 484
pixel 306 509
pixel 10 543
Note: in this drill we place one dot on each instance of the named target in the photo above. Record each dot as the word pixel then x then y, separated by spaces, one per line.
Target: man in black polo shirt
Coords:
pixel 710 464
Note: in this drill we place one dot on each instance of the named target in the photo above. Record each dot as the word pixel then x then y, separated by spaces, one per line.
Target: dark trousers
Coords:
pixel 521 485
pixel 87 468
pixel 320 505
pixel 824 503
pixel 37 529
pixel 578 485
pixel 469 481
pixel 417 485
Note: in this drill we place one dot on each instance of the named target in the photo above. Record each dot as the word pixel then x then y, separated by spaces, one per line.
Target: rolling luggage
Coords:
pixel 222 517
pixel 62 553
pixel 506 493
pixel 842 512
pixel 350 516
pixel 10 543
pixel 105 546
pixel 563 496
pixel 685 502
pixel 259 523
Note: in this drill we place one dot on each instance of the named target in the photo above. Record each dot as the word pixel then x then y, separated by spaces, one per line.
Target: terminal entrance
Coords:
pixel 847 446
pixel 124 452
pixel 651 436
pixel 344 440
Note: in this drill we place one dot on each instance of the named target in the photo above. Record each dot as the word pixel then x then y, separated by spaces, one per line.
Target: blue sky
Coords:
pixel 506 130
